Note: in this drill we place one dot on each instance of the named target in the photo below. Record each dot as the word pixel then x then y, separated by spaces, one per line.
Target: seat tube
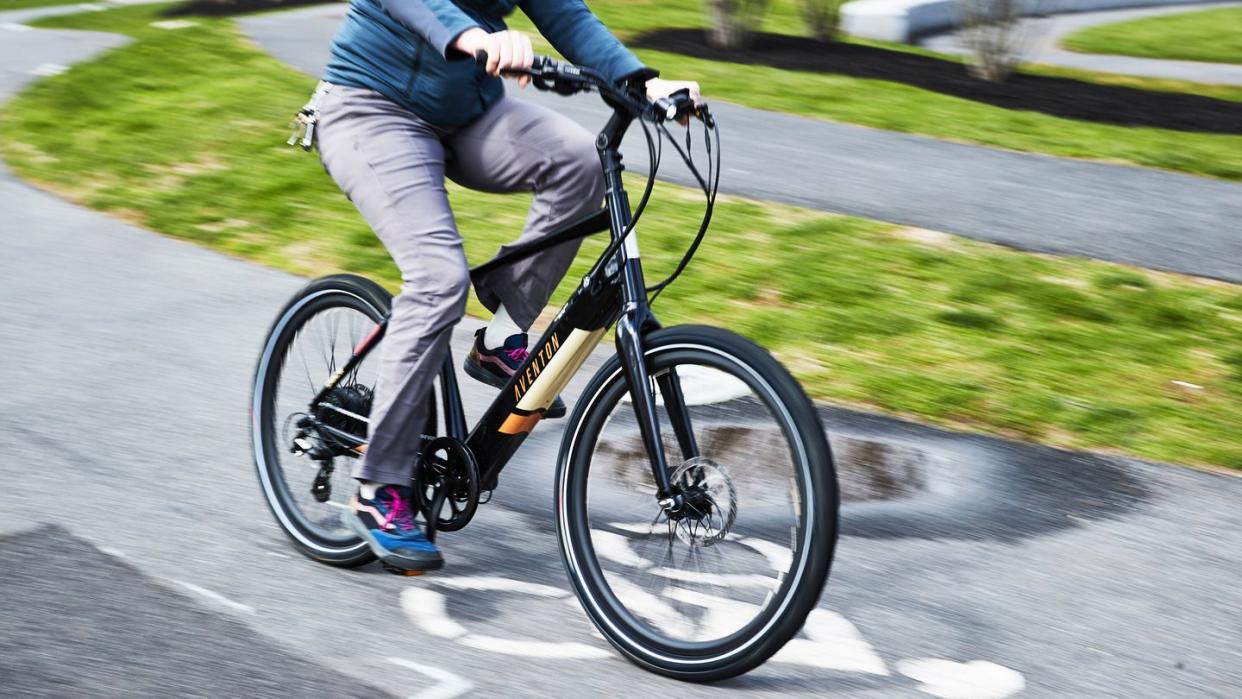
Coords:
pixel 635 315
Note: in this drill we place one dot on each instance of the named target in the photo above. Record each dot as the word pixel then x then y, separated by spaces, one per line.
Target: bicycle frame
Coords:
pixel 613 292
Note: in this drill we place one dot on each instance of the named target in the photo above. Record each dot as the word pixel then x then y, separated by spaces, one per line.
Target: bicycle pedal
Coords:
pixel 402 571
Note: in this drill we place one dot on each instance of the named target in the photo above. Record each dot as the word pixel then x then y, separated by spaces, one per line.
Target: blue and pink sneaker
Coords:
pixel 495 367
pixel 387 524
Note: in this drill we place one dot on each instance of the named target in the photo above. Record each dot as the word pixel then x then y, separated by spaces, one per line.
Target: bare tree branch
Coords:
pixel 993 31
pixel 734 21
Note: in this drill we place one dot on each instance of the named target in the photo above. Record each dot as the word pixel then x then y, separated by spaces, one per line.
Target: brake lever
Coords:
pixel 678 105
pixel 669 108
pixel 705 114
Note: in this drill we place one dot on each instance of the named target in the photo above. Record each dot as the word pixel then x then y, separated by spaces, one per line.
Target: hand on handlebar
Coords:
pixel 664 99
pixel 677 98
pixel 506 51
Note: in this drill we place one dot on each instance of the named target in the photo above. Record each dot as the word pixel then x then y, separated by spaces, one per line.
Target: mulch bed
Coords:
pixel 225 8
pixel 1059 97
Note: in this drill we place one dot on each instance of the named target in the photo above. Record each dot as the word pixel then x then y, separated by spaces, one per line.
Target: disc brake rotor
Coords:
pixel 711 502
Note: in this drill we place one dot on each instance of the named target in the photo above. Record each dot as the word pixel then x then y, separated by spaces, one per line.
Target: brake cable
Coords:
pixel 709 190
pixel 655 153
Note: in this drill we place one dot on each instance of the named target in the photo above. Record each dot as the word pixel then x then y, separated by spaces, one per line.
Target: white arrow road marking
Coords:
pixel 717 579
pixel 639 528
pixel 652 609
pixel 450 685
pixel 977 679
pixel 616 548
pixel 779 557
pixel 215 597
pixel 723 616
pixel 426 608
pixel 834 643
pixel 429 611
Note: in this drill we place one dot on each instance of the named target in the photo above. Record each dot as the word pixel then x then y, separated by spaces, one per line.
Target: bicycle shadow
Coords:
pixel 983 488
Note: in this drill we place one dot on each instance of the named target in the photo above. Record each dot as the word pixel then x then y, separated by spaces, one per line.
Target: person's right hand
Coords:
pixel 505 50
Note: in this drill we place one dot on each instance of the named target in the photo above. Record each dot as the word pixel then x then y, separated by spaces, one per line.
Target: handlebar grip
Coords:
pixel 565 78
pixel 537 66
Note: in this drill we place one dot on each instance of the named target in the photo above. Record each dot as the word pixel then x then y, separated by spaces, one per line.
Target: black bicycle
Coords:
pixel 696 499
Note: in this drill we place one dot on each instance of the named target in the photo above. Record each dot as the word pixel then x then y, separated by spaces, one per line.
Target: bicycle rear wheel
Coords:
pixel 313 337
pixel 714 590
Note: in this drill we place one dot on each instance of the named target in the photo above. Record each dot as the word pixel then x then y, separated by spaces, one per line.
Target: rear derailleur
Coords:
pixel 307 442
pixel 336 426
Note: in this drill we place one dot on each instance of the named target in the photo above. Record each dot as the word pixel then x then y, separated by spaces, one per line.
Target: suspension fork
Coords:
pixel 635 322
pixel 630 348
pixel 678 413
pixel 632 329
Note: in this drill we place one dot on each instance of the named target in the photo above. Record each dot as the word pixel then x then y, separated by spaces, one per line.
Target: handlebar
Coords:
pixel 551 75
pixel 630 102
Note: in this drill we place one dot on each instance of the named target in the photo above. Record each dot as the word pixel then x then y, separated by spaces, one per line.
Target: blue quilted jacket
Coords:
pixel 400 48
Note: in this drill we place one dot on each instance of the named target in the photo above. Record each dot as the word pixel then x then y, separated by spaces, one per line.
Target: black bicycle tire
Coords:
pixel 263 446
pixel 572 527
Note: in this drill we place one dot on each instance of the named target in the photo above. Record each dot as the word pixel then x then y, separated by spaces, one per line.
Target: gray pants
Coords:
pixel 392 165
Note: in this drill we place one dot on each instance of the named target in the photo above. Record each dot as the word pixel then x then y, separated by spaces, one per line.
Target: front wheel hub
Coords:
pixel 709 502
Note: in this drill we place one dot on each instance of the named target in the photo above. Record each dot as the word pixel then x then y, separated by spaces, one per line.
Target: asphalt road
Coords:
pixel 137 557
pixel 1148 218
pixel 1044 34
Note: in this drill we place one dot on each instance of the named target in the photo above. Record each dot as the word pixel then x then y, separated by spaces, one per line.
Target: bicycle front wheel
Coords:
pixel 716 588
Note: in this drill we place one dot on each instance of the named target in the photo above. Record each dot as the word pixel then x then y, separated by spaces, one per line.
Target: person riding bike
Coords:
pixel 404 104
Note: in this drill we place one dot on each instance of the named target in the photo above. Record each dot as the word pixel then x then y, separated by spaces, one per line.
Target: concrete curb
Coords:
pixel 907 20
pixel 1044 35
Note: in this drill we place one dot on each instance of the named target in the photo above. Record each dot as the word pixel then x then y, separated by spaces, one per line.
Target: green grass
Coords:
pixel 899 107
pixel 182 131
pixel 6 5
pixel 1214 36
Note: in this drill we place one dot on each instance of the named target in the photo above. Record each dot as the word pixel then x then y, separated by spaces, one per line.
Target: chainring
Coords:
pixel 447 472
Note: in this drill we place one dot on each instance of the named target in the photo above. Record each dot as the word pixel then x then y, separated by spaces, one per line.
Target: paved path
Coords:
pixel 1046 33
pixel 138 556
pixel 1144 217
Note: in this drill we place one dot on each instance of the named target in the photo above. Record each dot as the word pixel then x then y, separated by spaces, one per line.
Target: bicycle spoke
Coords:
pixel 321 336
pixel 310 383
